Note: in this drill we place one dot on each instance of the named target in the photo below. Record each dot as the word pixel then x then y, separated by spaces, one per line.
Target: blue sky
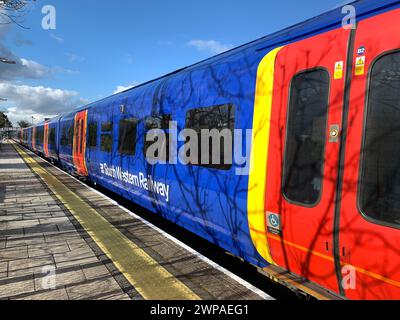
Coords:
pixel 101 45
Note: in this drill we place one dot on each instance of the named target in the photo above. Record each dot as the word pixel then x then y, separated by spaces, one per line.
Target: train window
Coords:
pixel 52 137
pixel 39 136
pixel 379 195
pixel 106 127
pixel 217 117
pixel 158 122
pixel 92 135
pixel 127 136
pixel 70 136
pixel 106 142
pixel 306 136
pixel 64 139
pixel 106 136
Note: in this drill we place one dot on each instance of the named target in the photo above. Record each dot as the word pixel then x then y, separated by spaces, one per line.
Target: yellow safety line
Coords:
pixel 147 276
pixel 259 154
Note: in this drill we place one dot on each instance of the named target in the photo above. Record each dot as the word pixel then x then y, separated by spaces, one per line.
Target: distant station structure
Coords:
pixel 9 132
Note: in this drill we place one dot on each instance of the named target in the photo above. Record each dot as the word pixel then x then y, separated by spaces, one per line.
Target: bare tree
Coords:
pixel 23 124
pixel 11 11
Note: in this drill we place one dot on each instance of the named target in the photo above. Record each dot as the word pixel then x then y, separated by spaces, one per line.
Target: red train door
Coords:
pixel 305 125
pixel 46 140
pixel 370 208
pixel 79 147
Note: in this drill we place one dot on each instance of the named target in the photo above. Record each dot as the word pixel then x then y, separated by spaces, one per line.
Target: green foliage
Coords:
pixel 4 122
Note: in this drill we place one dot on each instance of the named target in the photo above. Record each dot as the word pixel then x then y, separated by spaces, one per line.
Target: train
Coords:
pixel 321 100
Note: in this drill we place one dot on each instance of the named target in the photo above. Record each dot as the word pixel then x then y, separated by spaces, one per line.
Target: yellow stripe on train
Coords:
pixel 259 154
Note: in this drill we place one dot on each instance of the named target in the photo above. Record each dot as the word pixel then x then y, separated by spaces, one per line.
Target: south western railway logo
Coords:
pixel 142 181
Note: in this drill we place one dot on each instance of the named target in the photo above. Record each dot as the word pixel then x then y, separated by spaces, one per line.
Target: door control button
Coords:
pixel 334 133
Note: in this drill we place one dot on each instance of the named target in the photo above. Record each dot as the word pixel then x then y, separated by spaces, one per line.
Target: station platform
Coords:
pixel 62 240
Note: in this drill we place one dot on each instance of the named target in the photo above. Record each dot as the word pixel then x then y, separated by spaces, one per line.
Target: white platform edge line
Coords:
pixel 241 281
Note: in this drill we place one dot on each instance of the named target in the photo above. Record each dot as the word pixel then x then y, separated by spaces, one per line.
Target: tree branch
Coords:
pixel 11 11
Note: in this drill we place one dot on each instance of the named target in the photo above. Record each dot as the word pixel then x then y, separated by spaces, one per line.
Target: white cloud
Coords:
pixel 37 101
pixel 119 89
pixel 23 68
pixel 24 101
pixel 72 57
pixel 64 70
pixel 211 46
pixel 15 115
pixel 28 69
pixel 56 38
pixel 36 70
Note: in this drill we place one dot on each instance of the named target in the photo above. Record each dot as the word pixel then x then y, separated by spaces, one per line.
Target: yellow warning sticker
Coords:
pixel 338 70
pixel 360 66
